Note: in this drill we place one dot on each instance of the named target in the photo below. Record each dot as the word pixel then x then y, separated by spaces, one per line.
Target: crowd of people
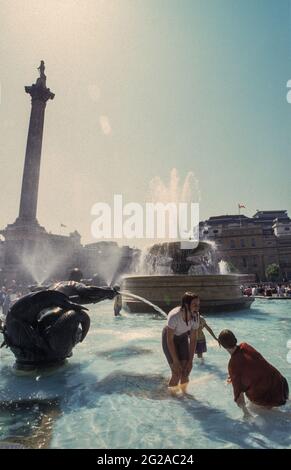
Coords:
pixel 267 290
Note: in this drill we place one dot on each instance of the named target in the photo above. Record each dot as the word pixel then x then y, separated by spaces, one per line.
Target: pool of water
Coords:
pixel 113 391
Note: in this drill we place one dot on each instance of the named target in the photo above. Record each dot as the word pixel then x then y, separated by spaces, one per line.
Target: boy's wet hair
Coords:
pixel 227 339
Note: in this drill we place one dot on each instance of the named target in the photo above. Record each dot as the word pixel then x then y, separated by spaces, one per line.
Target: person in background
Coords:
pixel 248 291
pixel 261 290
pixel 201 346
pixel 251 375
pixel 280 290
pixel 117 302
pixel 268 292
pixel 254 291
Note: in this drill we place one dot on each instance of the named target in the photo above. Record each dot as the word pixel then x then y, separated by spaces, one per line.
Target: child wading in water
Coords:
pixel 201 340
pixel 179 340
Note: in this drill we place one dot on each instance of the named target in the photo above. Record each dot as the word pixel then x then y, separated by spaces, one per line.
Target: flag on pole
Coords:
pixel 240 206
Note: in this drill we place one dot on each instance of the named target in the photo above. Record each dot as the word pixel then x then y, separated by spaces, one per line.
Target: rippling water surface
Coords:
pixel 113 391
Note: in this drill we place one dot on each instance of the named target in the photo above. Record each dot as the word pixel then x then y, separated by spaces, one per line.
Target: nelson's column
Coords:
pixel 40 94
pixel 28 246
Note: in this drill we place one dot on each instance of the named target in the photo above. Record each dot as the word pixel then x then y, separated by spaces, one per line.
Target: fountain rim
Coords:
pixel 189 276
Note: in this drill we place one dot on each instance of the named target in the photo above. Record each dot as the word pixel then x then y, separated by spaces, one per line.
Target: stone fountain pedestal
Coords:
pixel 218 292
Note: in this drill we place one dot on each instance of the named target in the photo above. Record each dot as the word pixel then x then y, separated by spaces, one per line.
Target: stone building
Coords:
pixel 250 244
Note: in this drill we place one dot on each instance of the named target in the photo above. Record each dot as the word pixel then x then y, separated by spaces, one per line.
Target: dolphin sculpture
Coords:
pixel 42 328
pixel 83 294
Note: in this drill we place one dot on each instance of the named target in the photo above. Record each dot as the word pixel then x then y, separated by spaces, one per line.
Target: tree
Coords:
pixel 273 272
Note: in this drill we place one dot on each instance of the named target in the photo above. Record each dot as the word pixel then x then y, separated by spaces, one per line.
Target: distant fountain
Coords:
pixel 197 271
pixel 169 258
pixel 168 269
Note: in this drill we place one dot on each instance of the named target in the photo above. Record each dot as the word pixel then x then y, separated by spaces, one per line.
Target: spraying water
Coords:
pixel 173 191
pixel 154 262
pixel 134 296
pixel 41 263
pixel 223 267
pixel 111 260
pixel 168 259
pixel 109 264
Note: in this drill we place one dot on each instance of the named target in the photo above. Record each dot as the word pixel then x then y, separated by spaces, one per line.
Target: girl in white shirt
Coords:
pixel 179 339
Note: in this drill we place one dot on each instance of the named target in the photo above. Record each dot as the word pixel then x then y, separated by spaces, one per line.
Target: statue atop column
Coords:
pixel 41 81
pixel 39 89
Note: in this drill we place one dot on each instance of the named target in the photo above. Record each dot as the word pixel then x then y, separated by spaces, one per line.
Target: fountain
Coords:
pixel 170 268
pixel 169 271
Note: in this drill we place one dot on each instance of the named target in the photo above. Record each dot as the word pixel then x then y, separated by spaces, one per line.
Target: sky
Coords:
pixel 142 87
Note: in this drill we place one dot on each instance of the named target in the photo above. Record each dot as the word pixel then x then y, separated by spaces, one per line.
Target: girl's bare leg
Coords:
pixel 200 356
pixel 184 378
pixel 175 379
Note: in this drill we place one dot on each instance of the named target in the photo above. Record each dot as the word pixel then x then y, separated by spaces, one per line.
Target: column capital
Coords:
pixel 39 92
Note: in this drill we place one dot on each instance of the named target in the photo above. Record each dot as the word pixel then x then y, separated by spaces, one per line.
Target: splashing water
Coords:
pixel 173 192
pixel 172 195
pixel 109 264
pixel 166 258
pixel 134 296
pixel 113 391
pixel 154 264
pixel 42 262
pixel 223 267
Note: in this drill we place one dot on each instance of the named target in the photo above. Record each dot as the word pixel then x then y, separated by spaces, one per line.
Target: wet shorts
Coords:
pixel 201 346
pixel 182 346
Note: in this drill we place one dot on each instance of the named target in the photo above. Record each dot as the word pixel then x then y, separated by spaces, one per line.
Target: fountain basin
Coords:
pixel 218 292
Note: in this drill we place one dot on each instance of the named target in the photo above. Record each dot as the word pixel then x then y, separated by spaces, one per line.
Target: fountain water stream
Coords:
pixel 138 297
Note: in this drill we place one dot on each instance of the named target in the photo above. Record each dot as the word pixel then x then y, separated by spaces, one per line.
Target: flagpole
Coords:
pixel 239 215
pixel 62 226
